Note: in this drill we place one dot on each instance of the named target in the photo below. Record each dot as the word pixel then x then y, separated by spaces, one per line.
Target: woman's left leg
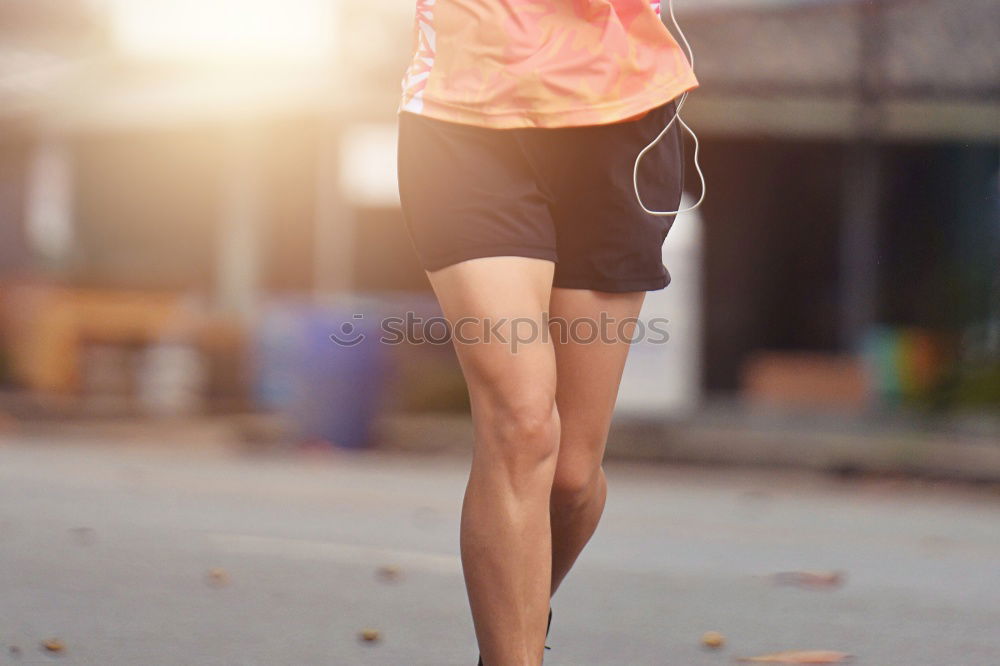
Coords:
pixel 588 374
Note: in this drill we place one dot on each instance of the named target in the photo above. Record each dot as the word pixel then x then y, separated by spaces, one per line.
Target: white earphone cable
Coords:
pixel 676 118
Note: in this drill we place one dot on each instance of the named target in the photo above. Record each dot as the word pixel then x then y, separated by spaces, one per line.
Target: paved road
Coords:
pixel 108 549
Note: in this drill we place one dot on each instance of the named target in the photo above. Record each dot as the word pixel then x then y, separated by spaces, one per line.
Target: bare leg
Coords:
pixel 588 379
pixel 505 532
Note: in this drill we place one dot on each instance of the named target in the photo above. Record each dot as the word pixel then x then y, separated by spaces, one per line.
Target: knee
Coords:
pixel 524 432
pixel 575 483
pixel 529 420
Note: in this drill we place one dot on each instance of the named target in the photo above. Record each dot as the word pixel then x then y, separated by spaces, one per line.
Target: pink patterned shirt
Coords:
pixel 541 63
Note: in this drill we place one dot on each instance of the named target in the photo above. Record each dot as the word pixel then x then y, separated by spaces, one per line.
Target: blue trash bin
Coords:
pixel 325 367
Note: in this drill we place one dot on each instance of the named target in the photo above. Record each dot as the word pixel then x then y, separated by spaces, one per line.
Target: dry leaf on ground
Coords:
pixel 217 577
pixel 389 573
pixel 53 645
pixel 800 657
pixel 809 578
pixel 369 635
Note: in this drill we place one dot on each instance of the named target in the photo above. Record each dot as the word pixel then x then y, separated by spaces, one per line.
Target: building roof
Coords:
pixel 904 48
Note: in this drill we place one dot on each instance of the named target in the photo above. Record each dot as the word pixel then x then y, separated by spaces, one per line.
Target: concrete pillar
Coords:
pixel 663 373
pixel 862 186
pixel 49 200
pixel 333 259
pixel 238 265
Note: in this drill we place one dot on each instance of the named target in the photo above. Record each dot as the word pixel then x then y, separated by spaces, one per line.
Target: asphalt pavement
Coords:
pixel 170 555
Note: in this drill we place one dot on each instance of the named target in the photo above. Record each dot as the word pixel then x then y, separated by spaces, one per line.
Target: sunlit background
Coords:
pixel 195 194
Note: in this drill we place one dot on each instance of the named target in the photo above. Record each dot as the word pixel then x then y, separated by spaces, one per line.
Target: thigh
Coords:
pixel 496 307
pixel 469 192
pixel 589 370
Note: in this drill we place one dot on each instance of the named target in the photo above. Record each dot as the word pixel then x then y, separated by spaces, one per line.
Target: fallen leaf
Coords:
pixel 809 578
pixel 800 657
pixel 370 635
pixel 713 639
pixel 53 645
pixel 389 573
pixel 218 577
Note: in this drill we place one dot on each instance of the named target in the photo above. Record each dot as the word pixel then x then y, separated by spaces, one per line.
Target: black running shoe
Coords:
pixel 547 626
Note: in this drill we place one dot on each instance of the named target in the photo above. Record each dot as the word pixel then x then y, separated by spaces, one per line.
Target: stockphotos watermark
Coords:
pixel 514 332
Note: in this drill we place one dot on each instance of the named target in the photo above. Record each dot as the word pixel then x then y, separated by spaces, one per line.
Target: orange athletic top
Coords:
pixel 541 63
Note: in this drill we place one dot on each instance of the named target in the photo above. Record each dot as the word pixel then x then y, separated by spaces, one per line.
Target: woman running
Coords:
pixel 519 124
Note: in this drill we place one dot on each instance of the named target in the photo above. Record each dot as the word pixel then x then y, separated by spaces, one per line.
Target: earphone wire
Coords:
pixel 677 118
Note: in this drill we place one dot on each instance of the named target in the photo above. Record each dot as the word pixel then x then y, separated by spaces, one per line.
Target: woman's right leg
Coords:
pixel 505 533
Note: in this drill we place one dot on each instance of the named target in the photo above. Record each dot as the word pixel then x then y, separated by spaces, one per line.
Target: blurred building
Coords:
pixel 239 149
pixel 173 143
pixel 853 151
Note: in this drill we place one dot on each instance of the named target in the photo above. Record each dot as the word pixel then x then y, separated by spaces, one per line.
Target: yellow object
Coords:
pixel 46 327
pixel 713 639
pixel 53 645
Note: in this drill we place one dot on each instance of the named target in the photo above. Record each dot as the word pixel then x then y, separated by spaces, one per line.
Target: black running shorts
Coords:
pixel 562 194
